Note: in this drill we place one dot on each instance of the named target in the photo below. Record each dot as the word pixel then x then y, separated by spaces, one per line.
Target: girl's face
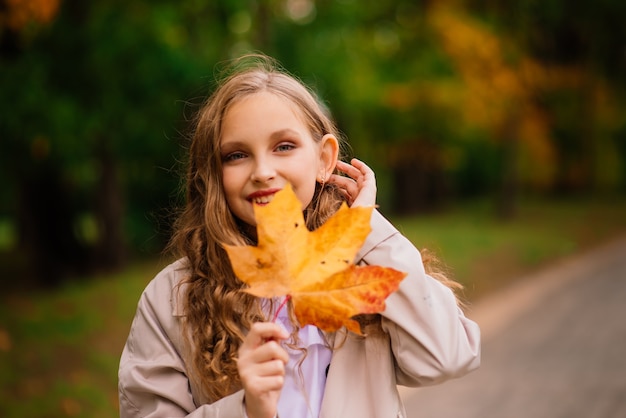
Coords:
pixel 264 145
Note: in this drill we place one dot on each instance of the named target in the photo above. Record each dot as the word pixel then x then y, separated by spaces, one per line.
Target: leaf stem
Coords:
pixel 280 307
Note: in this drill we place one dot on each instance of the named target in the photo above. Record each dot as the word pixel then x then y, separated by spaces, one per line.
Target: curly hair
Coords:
pixel 213 334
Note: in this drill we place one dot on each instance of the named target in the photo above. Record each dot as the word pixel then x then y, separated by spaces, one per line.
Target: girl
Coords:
pixel 200 347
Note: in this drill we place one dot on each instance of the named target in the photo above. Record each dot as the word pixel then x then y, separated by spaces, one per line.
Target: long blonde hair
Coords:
pixel 217 313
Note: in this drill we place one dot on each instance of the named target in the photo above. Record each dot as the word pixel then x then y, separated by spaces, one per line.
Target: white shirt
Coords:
pixel 303 389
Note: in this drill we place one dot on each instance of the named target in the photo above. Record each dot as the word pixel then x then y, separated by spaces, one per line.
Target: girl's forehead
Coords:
pixel 267 96
pixel 265 101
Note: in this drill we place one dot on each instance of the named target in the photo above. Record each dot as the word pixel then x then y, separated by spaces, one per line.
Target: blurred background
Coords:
pixel 497 131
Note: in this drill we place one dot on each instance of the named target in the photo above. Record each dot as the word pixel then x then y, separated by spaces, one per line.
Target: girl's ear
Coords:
pixel 329 153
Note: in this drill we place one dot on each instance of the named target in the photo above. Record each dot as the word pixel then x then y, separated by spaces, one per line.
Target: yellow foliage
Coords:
pixel 19 13
pixel 314 269
pixel 497 94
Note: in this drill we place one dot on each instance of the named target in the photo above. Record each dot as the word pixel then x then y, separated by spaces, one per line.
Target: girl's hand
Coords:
pixel 261 366
pixel 359 187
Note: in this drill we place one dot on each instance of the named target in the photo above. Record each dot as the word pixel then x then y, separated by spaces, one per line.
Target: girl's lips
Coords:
pixel 262 197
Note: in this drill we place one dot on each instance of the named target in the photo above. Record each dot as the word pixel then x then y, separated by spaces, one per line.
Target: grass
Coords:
pixel 59 351
pixel 484 253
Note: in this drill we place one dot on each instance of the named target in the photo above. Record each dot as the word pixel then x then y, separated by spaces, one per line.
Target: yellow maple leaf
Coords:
pixel 313 268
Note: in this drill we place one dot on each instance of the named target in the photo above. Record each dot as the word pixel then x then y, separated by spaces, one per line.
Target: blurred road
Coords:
pixel 554 346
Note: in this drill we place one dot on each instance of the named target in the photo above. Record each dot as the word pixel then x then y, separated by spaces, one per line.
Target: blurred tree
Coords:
pixel 32 188
pixel 495 95
pixel 581 88
pixel 446 99
pixel 94 94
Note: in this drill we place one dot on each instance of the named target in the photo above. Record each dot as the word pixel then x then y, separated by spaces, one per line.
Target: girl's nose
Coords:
pixel 262 172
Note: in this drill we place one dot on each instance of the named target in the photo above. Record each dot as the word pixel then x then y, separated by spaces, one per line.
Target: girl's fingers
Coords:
pixel 254 371
pixel 348 169
pixel 262 343
pixel 359 184
pixel 271 350
pixel 261 365
pixel 262 332
pixel 355 169
pixel 264 384
pixel 271 368
pixel 344 183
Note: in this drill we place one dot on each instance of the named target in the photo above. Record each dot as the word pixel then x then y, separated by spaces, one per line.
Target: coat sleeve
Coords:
pixel 431 339
pixel 152 376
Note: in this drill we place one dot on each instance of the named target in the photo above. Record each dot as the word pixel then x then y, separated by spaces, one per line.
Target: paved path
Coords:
pixel 554 346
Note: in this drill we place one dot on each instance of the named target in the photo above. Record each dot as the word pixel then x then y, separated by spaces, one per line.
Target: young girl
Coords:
pixel 200 347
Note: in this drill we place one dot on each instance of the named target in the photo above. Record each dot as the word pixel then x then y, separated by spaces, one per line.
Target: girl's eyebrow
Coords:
pixel 284 132
pixel 275 135
pixel 231 145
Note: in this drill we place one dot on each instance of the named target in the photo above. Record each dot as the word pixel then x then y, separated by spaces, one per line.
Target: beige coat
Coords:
pixel 427 341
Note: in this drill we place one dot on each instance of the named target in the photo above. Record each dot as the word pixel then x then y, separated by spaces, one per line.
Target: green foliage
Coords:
pixel 96 102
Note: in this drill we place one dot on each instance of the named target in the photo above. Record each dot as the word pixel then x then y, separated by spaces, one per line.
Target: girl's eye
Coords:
pixel 234 156
pixel 285 147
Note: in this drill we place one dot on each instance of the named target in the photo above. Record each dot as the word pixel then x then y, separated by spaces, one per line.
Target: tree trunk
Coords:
pixel 418 178
pixel 508 187
pixel 112 251
pixel 45 222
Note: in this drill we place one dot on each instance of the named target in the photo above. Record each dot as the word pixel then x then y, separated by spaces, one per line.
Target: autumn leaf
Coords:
pixel 314 268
